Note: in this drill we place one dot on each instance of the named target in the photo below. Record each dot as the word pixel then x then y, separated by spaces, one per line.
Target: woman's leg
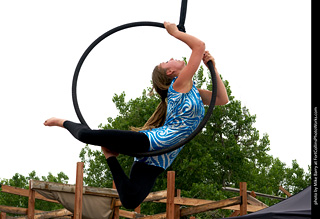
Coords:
pixel 124 142
pixel 132 191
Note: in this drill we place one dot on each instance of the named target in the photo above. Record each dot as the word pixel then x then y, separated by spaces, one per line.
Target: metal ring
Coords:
pixel 149 153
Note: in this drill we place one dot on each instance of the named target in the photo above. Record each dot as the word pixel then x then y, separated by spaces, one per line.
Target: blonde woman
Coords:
pixel 179 113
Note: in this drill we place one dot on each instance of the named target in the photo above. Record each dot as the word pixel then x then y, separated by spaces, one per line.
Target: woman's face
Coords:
pixel 173 65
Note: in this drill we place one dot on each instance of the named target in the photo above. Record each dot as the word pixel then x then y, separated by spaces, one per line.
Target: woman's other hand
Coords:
pixel 208 57
pixel 108 153
pixel 171 28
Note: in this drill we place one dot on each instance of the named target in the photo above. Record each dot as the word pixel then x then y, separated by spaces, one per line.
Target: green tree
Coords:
pixel 21 181
pixel 228 150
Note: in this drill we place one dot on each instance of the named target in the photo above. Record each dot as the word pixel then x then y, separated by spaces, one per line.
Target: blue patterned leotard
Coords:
pixel 184 113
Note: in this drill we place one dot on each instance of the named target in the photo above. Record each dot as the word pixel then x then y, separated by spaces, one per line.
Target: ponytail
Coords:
pixel 161 84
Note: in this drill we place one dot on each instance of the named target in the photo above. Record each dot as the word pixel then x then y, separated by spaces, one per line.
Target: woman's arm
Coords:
pixel 184 81
pixel 222 96
pixel 205 96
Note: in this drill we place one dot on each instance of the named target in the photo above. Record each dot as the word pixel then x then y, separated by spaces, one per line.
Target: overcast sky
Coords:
pixel 263 48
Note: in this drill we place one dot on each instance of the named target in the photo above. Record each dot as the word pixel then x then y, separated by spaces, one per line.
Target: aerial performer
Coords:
pixel 180 111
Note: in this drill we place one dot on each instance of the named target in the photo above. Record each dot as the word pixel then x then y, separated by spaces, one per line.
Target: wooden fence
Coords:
pixel 245 202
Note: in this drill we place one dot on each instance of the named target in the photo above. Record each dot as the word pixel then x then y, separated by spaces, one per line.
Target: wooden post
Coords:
pixel 285 191
pixel 138 209
pixel 116 210
pixel 253 194
pixel 177 207
pixel 31 202
pixel 237 212
pixel 170 194
pixel 244 200
pixel 78 192
pixel 3 215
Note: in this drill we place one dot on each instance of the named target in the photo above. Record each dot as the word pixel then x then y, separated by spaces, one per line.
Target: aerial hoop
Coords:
pixel 150 24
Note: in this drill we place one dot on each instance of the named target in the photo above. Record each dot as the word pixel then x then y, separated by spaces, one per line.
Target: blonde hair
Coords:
pixel 161 83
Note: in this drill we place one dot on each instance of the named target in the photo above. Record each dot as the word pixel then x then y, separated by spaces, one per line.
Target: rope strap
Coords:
pixel 183 13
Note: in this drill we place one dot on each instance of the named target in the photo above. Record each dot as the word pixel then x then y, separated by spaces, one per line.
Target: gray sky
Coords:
pixel 263 48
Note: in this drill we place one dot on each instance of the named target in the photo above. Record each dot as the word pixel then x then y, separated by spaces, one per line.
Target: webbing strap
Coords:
pixel 183 13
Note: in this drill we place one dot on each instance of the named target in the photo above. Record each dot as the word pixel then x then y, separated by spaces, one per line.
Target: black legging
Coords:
pixel 120 141
pixel 133 190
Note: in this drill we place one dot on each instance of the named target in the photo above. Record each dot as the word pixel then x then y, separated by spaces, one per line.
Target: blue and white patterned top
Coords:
pixel 184 113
